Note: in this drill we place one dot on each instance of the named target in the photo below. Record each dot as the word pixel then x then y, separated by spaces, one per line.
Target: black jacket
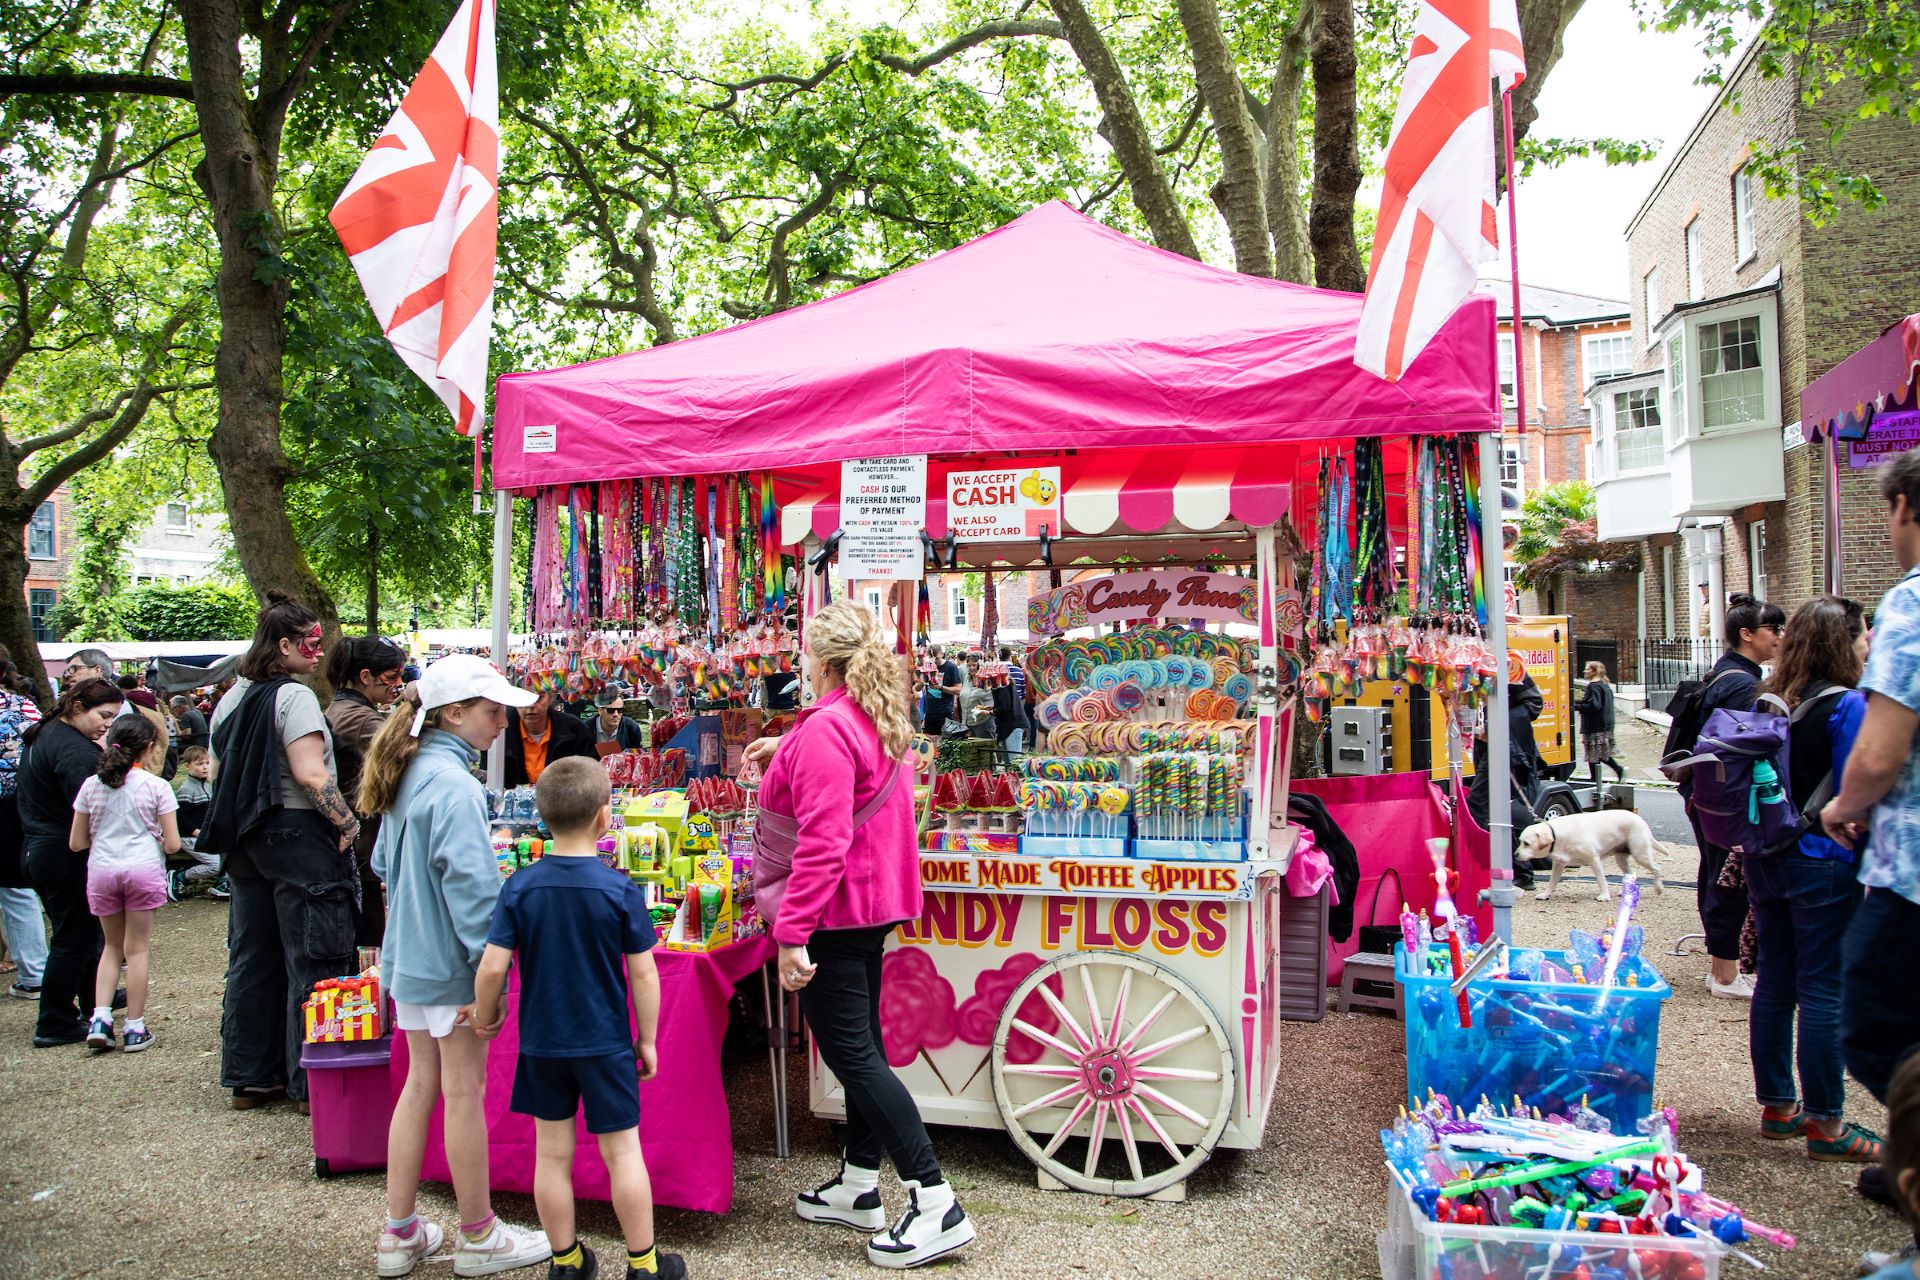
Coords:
pixel 1311 812
pixel 627 736
pixel 1595 706
pixel 247 788
pixel 52 771
pixel 567 736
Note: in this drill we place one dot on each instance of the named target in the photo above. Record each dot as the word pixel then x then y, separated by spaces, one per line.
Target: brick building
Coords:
pixel 1738 302
pixel 1567 340
pixel 51 545
pixel 956 601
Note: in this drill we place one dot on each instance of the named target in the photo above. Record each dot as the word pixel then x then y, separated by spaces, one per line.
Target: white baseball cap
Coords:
pixel 460 676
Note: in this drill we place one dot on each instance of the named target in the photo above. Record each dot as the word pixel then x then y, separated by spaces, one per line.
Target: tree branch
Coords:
pixel 1286 211
pixel 1146 178
pixel 1239 195
pixel 81 83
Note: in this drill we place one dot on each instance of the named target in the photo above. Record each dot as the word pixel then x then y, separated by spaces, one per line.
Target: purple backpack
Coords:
pixel 1739 773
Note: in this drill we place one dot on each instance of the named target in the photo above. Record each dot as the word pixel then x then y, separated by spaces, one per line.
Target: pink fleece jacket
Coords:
pixel 828 768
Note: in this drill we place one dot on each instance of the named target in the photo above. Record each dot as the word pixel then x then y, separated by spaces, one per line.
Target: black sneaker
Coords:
pixel 672 1267
pixel 589 1268
pixel 220 890
pixel 176 885
pixel 24 991
pixel 75 1034
pixel 1873 1184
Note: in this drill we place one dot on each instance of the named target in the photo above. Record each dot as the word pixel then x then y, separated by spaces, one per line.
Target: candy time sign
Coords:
pixel 1154 596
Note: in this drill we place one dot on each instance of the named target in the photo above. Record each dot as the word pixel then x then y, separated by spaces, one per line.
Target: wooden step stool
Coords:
pixel 1376 971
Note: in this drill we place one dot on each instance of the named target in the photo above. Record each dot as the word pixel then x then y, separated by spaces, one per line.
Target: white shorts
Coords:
pixel 434 1019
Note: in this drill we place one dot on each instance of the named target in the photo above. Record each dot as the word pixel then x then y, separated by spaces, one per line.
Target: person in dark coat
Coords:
pixel 366 673
pixel 1595 707
pixel 540 735
pixel 1524 704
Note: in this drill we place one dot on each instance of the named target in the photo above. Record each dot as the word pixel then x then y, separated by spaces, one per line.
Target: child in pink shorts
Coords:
pixel 126 816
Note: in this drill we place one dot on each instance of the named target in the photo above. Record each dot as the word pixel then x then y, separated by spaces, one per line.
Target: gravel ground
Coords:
pixel 127 1165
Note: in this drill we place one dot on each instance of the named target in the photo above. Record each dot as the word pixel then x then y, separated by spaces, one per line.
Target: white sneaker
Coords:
pixel 1875 1260
pixel 399 1255
pixel 852 1199
pixel 933 1226
pixel 505 1249
pixel 1741 988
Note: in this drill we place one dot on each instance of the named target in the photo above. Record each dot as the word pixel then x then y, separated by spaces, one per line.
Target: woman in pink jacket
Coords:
pixel 841 779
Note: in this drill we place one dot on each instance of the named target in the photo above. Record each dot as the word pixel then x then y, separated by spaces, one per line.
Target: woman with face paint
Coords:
pixel 286 836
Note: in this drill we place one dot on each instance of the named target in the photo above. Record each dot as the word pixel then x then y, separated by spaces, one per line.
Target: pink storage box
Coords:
pixel 350 1094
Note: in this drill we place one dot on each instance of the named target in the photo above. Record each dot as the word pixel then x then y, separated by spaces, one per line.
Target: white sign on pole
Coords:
pixel 883 508
pixel 983 506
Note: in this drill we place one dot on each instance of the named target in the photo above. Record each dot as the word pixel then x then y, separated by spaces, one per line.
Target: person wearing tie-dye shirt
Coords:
pixel 1880 793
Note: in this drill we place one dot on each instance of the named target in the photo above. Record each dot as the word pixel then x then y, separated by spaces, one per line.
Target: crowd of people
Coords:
pixel 363 824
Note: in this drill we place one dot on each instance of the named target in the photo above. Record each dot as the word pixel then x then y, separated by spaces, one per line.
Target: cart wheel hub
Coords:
pixel 1108 1074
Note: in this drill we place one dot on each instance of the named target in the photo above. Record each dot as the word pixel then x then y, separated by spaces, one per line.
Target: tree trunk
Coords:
pixel 1336 152
pixel 1132 144
pixel 238 176
pixel 16 624
pixel 1240 194
pixel 1286 211
pixel 373 580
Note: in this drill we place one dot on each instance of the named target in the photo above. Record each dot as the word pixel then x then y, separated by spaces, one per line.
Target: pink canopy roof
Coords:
pixel 1879 376
pixel 1053 332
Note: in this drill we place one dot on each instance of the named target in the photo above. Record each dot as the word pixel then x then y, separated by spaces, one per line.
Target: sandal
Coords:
pixel 1854 1145
pixel 1775 1125
pixel 8 966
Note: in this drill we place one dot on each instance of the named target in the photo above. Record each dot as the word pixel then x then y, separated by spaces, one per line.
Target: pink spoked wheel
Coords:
pixel 1134 1054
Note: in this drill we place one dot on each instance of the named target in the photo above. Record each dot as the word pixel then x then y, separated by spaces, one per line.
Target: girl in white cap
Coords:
pixel 442 880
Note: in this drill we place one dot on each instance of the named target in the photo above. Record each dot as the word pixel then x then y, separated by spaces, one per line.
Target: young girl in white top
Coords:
pixel 126 815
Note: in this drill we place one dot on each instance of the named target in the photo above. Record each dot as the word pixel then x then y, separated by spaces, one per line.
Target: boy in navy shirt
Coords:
pixel 576 925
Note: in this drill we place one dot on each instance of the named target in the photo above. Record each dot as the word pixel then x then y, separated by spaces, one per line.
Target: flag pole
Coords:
pixel 1513 267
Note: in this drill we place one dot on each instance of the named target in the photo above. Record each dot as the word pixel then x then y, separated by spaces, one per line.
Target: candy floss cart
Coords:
pixel 1097 967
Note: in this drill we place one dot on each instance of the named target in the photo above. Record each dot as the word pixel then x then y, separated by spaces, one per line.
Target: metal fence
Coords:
pixel 1665 663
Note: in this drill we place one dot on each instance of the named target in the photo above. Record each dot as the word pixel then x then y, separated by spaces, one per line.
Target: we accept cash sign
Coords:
pixel 984 506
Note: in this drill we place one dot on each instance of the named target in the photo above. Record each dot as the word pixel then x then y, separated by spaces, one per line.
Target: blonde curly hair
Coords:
pixel 845 638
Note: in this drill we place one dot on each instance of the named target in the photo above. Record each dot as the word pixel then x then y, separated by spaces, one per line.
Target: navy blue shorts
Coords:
pixel 556 1088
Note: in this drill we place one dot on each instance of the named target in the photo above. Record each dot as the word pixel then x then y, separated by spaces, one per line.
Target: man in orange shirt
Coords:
pixel 540 735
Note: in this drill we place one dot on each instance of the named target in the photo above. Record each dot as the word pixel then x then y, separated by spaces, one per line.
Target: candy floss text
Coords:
pixel 1170 926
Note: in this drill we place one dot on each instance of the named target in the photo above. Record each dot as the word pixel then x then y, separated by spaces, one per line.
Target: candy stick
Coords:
pixel 1629 899
pixel 1443 910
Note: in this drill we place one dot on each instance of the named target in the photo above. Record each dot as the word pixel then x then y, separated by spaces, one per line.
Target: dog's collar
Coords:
pixel 1553 837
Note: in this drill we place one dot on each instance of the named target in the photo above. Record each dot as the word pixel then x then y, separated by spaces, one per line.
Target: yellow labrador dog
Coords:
pixel 1586 838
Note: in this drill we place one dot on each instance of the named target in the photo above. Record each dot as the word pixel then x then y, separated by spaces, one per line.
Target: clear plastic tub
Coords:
pixel 1415 1248
pixel 1552 1043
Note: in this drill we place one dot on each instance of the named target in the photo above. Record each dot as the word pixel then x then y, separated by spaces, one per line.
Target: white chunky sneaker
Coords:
pixel 933 1226
pixel 852 1199
pixel 505 1249
pixel 401 1254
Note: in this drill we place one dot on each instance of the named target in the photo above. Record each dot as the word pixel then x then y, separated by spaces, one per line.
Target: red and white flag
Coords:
pixel 421 216
pixel 1437 221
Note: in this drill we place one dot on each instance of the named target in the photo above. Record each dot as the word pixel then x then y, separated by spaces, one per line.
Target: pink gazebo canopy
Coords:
pixel 1879 376
pixel 1052 332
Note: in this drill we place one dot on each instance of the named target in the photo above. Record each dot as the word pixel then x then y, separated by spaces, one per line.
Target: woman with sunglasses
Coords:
pixel 366 675
pixel 287 835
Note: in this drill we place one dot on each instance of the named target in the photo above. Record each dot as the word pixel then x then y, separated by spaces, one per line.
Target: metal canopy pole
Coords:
pixel 1267 745
pixel 1499 765
pixel 502 608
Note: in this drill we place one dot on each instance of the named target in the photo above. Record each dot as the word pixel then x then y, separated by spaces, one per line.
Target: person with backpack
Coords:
pixel 1805 894
pixel 1752 633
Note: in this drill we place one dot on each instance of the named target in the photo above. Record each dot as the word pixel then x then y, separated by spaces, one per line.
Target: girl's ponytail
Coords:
pixel 129 742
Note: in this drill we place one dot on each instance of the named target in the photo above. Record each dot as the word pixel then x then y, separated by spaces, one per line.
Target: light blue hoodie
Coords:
pixel 442 879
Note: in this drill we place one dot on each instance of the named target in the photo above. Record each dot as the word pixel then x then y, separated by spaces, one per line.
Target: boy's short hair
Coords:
pixel 192 755
pixel 1900 478
pixel 570 794
pixel 1901 1150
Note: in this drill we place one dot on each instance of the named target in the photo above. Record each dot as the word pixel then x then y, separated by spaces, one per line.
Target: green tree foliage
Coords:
pixel 1558 533
pixel 1849 61
pixel 203 611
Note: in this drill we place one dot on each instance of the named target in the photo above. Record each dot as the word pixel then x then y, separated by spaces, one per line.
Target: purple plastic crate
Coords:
pixel 350 1093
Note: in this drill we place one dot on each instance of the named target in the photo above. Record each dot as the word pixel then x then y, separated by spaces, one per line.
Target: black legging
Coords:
pixel 1593 770
pixel 842 1007
pixel 74 941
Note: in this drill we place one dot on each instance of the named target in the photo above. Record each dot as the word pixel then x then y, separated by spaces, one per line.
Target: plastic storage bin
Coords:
pixel 350 1094
pixel 1552 1043
pixel 1414 1248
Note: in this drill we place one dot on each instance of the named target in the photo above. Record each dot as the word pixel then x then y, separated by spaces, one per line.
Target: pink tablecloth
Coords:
pixel 685 1131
